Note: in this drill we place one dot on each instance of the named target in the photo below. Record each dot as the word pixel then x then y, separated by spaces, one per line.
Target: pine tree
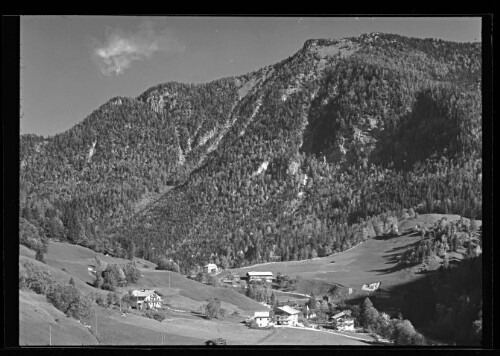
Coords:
pixel 369 315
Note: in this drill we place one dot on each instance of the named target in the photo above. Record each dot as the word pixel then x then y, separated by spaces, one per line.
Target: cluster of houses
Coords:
pixel 284 315
pixel 287 315
pixel 233 278
pixel 279 315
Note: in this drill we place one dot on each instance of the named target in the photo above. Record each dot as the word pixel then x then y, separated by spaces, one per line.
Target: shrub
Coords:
pixel 154 314
pixel 235 313
pixel 69 300
pixel 223 312
pixel 213 281
pixel 253 324
pixel 132 273
pixel 113 277
pixel 100 300
pixel 40 256
pixel 212 309
pixel 167 265
pixel 98 282
pixel 403 333
pixel 418 339
pixel 29 235
pixel 113 298
pixel 303 321
pixel 34 279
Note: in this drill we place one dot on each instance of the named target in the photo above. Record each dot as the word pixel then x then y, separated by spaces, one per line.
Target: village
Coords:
pixel 289 310
pixel 344 299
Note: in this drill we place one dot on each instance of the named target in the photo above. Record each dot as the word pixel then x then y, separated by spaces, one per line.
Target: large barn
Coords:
pixel 259 276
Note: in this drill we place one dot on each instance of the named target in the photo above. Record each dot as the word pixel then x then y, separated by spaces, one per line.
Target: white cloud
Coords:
pixel 120 49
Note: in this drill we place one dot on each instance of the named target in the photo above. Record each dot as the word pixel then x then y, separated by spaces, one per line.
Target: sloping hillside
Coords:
pixel 40 323
pixel 65 261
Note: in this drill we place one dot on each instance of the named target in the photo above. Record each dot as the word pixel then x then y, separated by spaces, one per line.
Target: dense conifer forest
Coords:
pixel 296 160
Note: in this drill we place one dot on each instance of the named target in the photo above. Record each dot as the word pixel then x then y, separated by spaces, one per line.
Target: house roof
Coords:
pixel 338 315
pixel 210 265
pixel 261 314
pixel 142 293
pixel 260 273
pixel 289 310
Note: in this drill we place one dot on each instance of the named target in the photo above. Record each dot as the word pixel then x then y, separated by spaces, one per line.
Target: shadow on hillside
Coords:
pixel 416 299
pixel 405 246
pixel 375 343
pixel 398 267
pixel 390 237
pixel 200 315
pixel 384 237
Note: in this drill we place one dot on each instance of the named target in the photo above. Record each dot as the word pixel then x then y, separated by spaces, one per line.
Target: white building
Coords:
pixel 210 268
pixel 286 315
pixel 262 318
pixel 259 276
pixel 344 321
pixel 145 299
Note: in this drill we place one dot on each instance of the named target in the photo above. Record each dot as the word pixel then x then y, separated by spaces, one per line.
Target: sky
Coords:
pixel 71 65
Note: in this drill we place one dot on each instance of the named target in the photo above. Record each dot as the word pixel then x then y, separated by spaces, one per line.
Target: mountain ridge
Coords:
pixel 289 140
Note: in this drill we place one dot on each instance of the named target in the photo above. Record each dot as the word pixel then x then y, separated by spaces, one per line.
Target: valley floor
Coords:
pixel 42 324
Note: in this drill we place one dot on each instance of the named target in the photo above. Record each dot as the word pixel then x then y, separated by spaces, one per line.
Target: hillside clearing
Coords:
pixel 374 260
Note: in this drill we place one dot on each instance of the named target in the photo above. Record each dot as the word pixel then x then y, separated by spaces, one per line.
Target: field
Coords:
pixel 288 336
pixel 194 293
pixel 180 293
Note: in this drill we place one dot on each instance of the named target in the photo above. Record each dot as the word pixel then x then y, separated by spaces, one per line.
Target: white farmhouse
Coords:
pixel 262 318
pixel 287 315
pixel 145 299
pixel 210 268
pixel 344 321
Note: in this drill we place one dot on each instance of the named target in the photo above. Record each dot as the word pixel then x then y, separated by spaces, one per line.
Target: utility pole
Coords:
pixel 96 322
pixel 50 335
pixel 169 280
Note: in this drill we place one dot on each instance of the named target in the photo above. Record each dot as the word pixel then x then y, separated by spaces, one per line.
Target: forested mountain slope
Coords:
pixel 295 160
